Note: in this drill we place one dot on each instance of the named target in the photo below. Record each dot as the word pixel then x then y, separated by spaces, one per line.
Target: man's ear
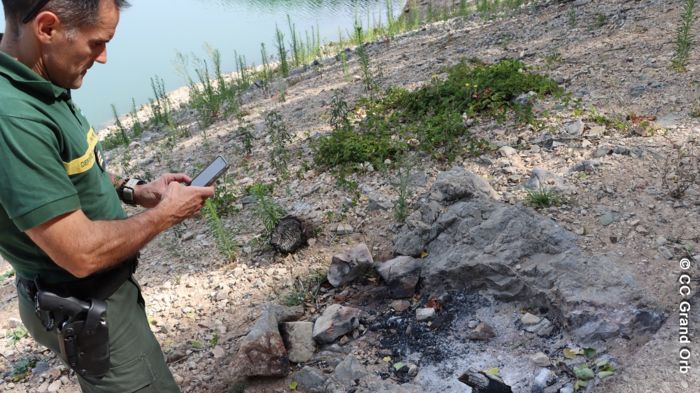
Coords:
pixel 45 26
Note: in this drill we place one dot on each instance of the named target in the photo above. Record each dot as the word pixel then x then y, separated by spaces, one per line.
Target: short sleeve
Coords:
pixel 34 185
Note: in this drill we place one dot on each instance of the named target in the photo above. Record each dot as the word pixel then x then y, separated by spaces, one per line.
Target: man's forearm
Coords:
pixel 84 247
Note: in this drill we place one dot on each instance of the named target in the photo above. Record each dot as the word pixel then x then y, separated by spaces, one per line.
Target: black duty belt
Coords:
pixel 98 286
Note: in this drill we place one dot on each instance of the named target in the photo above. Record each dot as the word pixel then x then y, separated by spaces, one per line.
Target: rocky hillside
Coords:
pixel 531 243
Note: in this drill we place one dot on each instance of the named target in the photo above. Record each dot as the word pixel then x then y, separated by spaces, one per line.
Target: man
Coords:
pixel 62 226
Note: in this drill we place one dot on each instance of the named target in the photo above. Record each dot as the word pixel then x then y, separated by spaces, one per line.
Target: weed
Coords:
pixel 344 63
pixel 543 197
pixel 282 52
pixel 16 334
pixel 267 210
pixel 224 198
pixel 212 96
pixel 120 127
pixel 681 169
pixel 432 117
pixel 280 137
pixel 160 105
pixel 266 71
pixel 224 243
pixel 22 368
pixel 684 40
pixel 4 276
pixel 339 112
pixel 572 17
pixel 295 43
pixel 552 59
pixel 600 20
pixel 305 289
pixel 136 125
pixel 246 134
pixel 401 205
pixel 282 91
pixel 242 71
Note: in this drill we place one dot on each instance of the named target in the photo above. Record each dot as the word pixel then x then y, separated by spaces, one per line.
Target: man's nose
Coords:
pixel 102 57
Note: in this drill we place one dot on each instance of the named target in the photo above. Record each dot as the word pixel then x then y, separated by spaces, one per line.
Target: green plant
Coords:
pixel 543 197
pixel 305 289
pixel 246 135
pixel 681 168
pixel 224 243
pixel 22 368
pixel 160 104
pixel 684 39
pixel 401 205
pixel 266 71
pixel 120 127
pixel 243 79
pixel 344 63
pixel 16 334
pixel 572 17
pixel 552 59
pixel 280 137
pixel 212 96
pixel 136 125
pixel 600 20
pixel 267 210
pixel 339 112
pixel 7 274
pixel 282 52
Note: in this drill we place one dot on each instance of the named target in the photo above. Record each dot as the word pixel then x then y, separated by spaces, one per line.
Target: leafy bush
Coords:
pixel 435 117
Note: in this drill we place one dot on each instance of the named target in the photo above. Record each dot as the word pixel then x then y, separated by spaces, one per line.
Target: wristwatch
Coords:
pixel 126 191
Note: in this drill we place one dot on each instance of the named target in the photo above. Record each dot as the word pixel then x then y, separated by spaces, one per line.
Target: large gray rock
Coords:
pixel 401 275
pixel 458 184
pixel 349 265
pixel 262 351
pixel 516 254
pixel 298 338
pixel 336 321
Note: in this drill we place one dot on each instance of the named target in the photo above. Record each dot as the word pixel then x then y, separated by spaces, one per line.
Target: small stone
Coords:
pixel 544 378
pixel 606 219
pixel 641 229
pixel 401 275
pixel 482 332
pixel 335 321
pixel 189 235
pixel 54 386
pixel 349 265
pixel 574 128
pixel 178 379
pixel 569 388
pixel 473 323
pixel 507 151
pixel 13 323
pixel 298 338
pixel 344 229
pixel 541 359
pixel 424 314
pixel 218 352
pixel 580 231
pixel 400 305
pixel 660 241
pixel 529 319
pixel 665 252
pixel 412 370
pixel 310 378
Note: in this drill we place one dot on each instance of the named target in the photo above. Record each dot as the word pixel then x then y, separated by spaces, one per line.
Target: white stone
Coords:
pixel 424 314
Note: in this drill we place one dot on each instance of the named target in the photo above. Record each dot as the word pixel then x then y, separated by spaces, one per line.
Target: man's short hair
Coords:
pixel 74 13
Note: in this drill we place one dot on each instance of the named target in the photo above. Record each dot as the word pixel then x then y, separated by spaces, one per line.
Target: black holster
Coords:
pixel 83 334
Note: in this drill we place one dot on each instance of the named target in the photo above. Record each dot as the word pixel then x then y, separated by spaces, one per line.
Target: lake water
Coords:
pixel 152 32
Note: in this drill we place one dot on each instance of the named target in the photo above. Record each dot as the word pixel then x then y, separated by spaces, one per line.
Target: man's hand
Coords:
pixel 149 195
pixel 179 202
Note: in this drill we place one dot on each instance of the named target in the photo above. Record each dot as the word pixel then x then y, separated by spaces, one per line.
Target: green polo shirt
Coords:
pixel 50 165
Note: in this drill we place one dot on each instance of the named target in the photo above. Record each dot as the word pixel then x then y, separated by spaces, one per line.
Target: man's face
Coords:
pixel 67 59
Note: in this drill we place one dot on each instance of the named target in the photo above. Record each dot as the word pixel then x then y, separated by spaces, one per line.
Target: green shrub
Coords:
pixel 223 237
pixel 543 197
pixel 684 38
pixel 267 210
pixel 433 115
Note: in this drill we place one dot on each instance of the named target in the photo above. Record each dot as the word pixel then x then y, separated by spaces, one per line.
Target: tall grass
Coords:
pixel 282 53
pixel 212 95
pixel 224 243
pixel 684 39
pixel 161 108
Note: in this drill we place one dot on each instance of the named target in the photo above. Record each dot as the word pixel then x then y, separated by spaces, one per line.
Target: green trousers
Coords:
pixel 137 362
